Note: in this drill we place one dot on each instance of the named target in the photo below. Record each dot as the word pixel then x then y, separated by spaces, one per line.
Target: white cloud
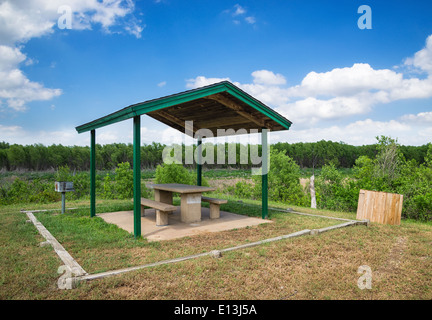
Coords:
pixel 268 78
pixel 337 94
pixel 22 20
pixel 347 81
pixel 250 20
pixel 120 132
pixel 15 88
pixel 162 84
pixel 342 93
pixel 311 111
pixel 202 81
pixel 19 135
pixel 239 10
pixel 423 58
pixel 356 133
pixel 238 13
pixel 135 29
pixel 420 118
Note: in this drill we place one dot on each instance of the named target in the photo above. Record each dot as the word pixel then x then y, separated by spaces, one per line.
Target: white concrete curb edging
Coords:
pixel 74 273
pixel 70 267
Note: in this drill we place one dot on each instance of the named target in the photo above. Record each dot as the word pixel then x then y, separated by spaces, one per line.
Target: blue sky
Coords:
pixel 308 60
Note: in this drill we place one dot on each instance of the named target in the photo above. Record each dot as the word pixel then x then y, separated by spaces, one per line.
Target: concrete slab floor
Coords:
pixel 178 229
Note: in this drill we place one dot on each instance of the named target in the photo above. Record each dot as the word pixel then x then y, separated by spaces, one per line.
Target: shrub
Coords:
pixel 176 173
pixel 18 192
pixel 120 186
pixel 283 180
pixel 124 181
pixel 81 182
pixel 244 190
pixel 63 174
pixel 335 192
pixel 108 187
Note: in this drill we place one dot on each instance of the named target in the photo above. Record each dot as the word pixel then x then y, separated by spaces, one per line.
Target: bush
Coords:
pixel 335 192
pixel 18 192
pixel 63 174
pixel 283 180
pixel 244 190
pixel 176 173
pixel 120 186
pixel 108 187
pixel 124 181
pixel 81 182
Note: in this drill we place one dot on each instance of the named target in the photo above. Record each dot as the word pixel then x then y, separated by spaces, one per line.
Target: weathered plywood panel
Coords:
pixel 380 207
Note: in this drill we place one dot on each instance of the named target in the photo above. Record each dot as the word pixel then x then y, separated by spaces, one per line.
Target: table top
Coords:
pixel 181 188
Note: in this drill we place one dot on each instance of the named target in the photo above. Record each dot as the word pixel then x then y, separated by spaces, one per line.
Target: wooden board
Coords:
pixel 380 207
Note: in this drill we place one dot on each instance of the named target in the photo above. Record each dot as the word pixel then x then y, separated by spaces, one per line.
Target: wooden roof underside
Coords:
pixel 218 111
pixel 222 108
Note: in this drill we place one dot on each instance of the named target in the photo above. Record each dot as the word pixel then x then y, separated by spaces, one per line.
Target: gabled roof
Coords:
pixel 217 106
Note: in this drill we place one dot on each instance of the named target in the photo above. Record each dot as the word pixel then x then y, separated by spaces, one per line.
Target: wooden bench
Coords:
pixel 162 210
pixel 214 206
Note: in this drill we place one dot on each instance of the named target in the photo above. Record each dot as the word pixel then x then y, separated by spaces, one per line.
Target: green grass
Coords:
pixel 92 237
pixel 227 173
pixel 321 267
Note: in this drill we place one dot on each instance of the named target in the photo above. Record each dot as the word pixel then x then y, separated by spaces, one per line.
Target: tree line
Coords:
pixel 38 157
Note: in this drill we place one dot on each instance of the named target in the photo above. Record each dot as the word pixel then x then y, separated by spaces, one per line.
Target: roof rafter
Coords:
pixel 239 109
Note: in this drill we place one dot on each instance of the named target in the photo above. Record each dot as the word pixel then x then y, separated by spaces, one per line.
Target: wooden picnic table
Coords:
pixel 190 205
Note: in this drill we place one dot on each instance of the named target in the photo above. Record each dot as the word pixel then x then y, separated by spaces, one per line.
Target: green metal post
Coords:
pixel 92 173
pixel 137 174
pixel 199 166
pixel 63 197
pixel 264 176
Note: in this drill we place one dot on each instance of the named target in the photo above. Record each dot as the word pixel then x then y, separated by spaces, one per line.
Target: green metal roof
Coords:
pixel 218 106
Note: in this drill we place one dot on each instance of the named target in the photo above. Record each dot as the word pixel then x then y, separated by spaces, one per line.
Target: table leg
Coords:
pixel 190 207
pixel 163 196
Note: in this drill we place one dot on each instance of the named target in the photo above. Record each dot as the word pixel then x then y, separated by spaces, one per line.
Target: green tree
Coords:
pixel 364 172
pixel 428 157
pixel 17 156
pixel 283 180
pixel 388 163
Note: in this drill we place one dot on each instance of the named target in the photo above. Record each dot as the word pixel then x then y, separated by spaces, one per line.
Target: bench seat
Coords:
pixel 162 210
pixel 214 206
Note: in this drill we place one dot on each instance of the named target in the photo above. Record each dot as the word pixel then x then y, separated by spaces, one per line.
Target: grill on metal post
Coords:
pixel 63 187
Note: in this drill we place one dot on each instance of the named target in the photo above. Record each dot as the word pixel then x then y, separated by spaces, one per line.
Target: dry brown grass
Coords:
pixel 309 267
